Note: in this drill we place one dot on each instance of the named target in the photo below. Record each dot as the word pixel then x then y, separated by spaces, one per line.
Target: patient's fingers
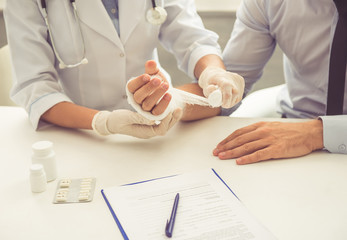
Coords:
pixel 138 82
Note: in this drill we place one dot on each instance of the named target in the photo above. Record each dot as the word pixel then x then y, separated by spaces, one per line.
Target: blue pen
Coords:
pixel 170 224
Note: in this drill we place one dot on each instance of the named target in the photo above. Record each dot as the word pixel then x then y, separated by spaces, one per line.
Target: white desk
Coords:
pixel 303 198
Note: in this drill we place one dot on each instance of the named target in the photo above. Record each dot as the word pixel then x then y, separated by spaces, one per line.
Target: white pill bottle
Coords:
pixel 43 154
pixel 38 180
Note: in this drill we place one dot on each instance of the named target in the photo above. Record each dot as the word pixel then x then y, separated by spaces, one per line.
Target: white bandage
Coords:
pixel 179 99
pixel 221 85
pixel 170 108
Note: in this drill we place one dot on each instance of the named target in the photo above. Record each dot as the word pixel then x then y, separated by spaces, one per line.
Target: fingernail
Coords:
pixel 146 78
pixel 165 86
pixel 215 151
pixel 221 155
pixel 156 82
pixel 167 97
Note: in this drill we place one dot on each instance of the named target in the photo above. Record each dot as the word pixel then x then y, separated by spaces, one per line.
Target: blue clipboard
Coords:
pixel 115 216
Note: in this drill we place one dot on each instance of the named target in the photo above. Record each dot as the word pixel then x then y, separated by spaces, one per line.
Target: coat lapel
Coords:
pixel 94 14
pixel 130 14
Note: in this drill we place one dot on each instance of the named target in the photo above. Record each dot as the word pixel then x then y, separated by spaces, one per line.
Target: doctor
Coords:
pixel 73 59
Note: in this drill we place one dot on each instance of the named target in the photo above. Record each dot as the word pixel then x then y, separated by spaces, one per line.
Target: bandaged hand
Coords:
pixel 133 124
pixel 230 84
pixel 148 94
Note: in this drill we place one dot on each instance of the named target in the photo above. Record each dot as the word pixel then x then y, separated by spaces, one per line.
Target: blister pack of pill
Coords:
pixel 74 190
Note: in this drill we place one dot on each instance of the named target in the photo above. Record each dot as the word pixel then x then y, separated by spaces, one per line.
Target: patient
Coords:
pixel 314 62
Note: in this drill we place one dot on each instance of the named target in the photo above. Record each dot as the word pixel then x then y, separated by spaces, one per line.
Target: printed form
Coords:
pixel 207 209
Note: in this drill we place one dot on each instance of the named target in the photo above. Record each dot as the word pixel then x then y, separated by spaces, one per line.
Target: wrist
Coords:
pixel 316 132
pixel 99 123
pixel 206 61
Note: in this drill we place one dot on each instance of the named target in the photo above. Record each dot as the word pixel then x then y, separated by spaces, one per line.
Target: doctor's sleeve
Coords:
pixel 35 83
pixel 251 43
pixel 184 35
pixel 335 133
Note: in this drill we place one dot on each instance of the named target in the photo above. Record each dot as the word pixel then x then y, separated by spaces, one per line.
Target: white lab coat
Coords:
pixel 39 83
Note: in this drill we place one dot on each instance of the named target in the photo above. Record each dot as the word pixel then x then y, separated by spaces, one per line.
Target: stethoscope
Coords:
pixel 62 64
pixel 155 15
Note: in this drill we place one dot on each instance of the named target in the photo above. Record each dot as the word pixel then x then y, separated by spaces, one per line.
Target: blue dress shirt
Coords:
pixel 304 30
pixel 112 10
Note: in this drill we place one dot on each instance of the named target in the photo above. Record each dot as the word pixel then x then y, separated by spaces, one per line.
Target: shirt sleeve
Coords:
pixel 35 80
pixel 251 44
pixel 228 111
pixel 184 35
pixel 335 133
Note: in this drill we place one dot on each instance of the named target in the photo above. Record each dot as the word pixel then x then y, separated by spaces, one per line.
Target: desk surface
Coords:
pixel 302 198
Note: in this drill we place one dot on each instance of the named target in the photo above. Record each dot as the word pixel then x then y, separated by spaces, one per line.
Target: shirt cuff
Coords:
pixel 197 54
pixel 335 133
pixel 42 104
pixel 228 111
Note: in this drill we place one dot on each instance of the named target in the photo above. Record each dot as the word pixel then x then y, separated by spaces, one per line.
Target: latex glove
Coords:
pixel 130 123
pixel 230 84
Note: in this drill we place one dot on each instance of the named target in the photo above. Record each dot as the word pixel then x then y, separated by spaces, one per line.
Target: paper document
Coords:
pixel 207 209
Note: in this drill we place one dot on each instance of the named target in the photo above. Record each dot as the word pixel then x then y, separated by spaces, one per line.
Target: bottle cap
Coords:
pixel 42 147
pixel 36 169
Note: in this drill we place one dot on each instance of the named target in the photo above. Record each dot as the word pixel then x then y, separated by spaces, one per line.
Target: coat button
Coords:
pixel 125 96
pixel 121 54
pixel 342 148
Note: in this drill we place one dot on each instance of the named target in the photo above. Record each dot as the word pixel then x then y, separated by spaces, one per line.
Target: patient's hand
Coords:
pixel 147 91
pixel 271 140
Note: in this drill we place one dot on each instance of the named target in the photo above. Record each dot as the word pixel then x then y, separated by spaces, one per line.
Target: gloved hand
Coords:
pixel 130 123
pixel 230 84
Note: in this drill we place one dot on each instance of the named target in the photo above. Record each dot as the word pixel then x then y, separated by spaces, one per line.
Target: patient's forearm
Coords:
pixel 195 112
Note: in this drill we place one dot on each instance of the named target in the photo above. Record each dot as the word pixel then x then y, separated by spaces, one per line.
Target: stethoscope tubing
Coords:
pixel 62 64
pixel 156 16
pixel 154 5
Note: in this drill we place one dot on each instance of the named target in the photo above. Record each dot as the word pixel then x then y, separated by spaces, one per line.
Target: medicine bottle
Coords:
pixel 38 179
pixel 43 154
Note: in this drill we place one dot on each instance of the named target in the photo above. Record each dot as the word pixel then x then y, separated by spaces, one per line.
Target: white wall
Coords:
pixel 217 5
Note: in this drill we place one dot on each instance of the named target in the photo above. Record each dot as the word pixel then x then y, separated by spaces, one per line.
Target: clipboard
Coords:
pixel 194 188
pixel 114 214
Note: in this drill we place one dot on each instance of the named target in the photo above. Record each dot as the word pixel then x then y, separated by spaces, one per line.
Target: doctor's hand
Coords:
pixel 133 124
pixel 271 140
pixel 230 84
pixel 149 88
